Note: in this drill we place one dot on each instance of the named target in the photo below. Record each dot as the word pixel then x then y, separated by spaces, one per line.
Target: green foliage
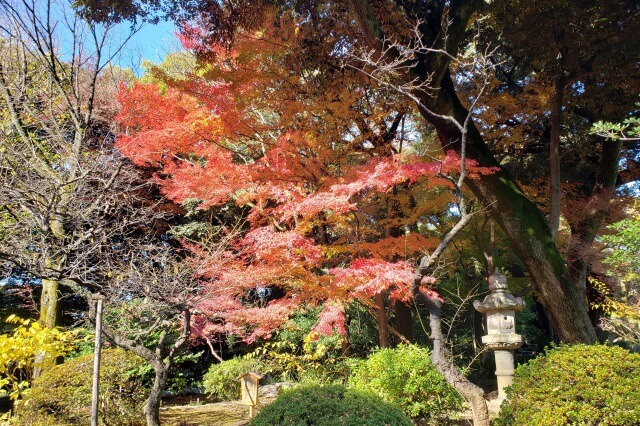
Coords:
pixel 624 244
pixel 363 330
pixel 185 373
pixel 62 394
pixel 628 129
pixel 222 379
pixel 405 376
pixel 619 302
pixel 296 353
pixel 84 344
pixel 298 326
pixel 578 385
pixel 29 347
pixel 333 373
pixel 329 406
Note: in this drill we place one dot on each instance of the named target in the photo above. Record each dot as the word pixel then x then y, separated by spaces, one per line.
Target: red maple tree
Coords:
pixel 331 203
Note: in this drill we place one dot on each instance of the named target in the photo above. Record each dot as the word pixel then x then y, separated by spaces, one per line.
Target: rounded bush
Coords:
pixel 221 380
pixel 62 394
pixel 329 406
pixel 406 377
pixel 579 384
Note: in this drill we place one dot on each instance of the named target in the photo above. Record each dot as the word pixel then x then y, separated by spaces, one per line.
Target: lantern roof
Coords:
pixel 499 299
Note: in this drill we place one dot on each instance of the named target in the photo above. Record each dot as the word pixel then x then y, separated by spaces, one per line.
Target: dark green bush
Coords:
pixel 406 377
pixel 62 395
pixel 575 385
pixel 329 406
pixel 222 382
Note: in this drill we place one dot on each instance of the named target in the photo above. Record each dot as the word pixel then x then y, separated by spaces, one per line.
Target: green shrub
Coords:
pixel 329 406
pixel 580 384
pixel 405 376
pixel 222 382
pixel 62 394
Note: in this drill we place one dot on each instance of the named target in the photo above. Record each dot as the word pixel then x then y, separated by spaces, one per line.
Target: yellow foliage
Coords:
pixel 609 305
pixel 26 350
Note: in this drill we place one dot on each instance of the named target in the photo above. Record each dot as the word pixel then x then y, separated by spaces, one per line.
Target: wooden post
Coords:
pixel 96 364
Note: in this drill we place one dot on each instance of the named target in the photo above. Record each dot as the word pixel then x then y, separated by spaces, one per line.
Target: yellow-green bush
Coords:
pixel 406 377
pixel 221 381
pixel 575 385
pixel 62 394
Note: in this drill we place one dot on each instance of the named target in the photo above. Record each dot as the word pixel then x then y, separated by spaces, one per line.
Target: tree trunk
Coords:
pixel 521 220
pixel 49 311
pixel 49 299
pixel 404 319
pixel 152 405
pixel 442 360
pixel 554 157
pixel 49 318
pixel 383 326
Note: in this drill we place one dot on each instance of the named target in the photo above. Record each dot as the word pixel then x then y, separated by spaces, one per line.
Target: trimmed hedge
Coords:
pixel 575 385
pixel 329 406
pixel 62 395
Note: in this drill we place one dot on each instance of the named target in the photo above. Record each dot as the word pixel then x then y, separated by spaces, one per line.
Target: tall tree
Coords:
pixel 561 286
pixel 59 174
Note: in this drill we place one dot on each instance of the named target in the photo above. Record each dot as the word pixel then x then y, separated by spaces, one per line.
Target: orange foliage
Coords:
pixel 326 198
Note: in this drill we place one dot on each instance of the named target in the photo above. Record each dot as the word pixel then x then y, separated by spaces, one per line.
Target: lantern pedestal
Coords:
pixel 504 371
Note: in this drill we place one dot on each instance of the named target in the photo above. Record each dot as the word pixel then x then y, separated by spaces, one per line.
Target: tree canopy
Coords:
pixel 410 55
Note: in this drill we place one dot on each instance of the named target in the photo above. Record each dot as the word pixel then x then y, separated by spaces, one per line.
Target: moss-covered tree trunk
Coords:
pixel 443 29
pixel 49 312
pixel 521 220
pixel 50 315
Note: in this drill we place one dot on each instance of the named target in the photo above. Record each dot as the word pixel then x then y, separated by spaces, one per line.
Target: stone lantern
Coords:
pixel 500 309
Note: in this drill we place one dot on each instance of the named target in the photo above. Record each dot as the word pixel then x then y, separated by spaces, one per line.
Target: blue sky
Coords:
pixel 156 40
pixel 151 43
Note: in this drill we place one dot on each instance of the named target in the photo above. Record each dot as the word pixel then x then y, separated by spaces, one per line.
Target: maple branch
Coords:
pixel 213 351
